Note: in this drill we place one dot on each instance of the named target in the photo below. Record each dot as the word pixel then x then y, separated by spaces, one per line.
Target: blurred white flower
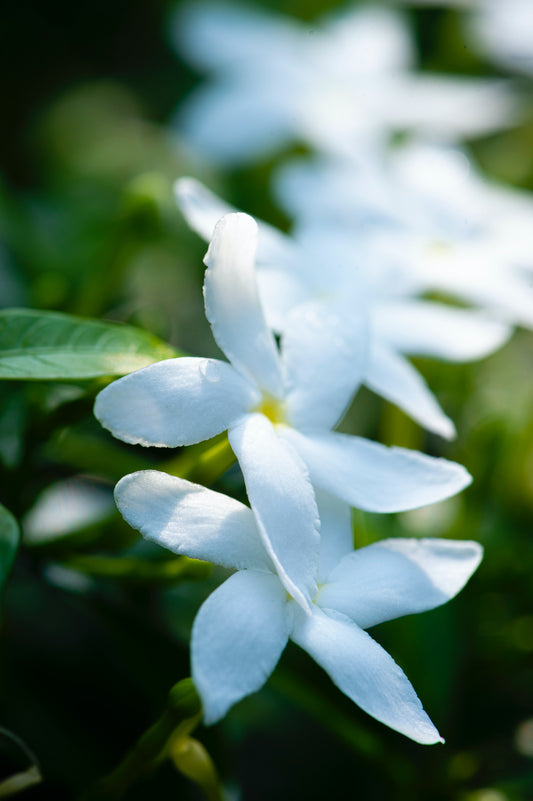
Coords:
pixel 347 80
pixel 278 408
pixel 503 31
pixel 328 268
pixel 241 630
pixel 65 507
pixel 427 211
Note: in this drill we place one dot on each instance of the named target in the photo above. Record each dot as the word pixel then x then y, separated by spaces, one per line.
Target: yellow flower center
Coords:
pixel 439 247
pixel 272 408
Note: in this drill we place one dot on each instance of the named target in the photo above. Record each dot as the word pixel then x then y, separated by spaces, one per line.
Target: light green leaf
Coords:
pixel 9 540
pixel 42 345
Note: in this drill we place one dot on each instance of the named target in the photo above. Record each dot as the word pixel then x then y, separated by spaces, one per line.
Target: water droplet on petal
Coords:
pixel 210 371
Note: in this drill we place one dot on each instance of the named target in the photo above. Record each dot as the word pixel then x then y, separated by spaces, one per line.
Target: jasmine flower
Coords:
pixel 242 628
pixel 279 409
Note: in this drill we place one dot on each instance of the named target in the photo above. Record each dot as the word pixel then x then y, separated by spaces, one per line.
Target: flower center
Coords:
pixel 439 248
pixel 272 408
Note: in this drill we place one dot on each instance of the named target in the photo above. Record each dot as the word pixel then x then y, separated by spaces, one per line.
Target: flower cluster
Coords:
pixel 306 319
pixel 298 575
pixel 353 81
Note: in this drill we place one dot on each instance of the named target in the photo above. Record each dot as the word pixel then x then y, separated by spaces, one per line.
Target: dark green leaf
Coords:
pixel 43 345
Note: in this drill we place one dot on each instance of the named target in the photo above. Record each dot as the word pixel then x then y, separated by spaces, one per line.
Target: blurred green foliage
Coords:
pixel 88 226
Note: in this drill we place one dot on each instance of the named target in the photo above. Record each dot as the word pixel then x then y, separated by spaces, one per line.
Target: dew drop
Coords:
pixel 210 371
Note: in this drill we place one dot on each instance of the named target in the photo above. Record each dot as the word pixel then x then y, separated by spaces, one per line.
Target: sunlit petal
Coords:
pixel 232 303
pixel 175 402
pixel 191 520
pixel 283 502
pixel 373 477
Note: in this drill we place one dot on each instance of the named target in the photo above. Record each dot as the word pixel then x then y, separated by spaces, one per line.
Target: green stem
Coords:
pixel 183 708
pixel 200 464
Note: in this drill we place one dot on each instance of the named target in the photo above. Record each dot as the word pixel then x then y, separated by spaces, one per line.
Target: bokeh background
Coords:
pixel 88 225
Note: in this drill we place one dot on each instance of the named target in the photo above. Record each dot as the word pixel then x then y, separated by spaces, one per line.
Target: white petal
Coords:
pixel 234 120
pixel 441 182
pixel 336 191
pixel 373 477
pixel 398 577
pixel 280 283
pixel 217 36
pixel 191 520
pixel 282 499
pixel 175 402
pixel 201 208
pixel 446 107
pixel 237 638
pixel 423 328
pixel 478 274
pixel 367 41
pixel 502 32
pixel 336 535
pixel 392 377
pixel 366 673
pixel 232 303
pixel 325 352
pixel 281 290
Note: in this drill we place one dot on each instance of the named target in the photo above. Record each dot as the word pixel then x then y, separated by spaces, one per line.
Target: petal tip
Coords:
pixel 447 429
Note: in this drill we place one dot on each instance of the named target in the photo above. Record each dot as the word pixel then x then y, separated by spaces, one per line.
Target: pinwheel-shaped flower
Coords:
pixel 243 627
pixel 328 269
pixel 425 211
pixel 278 408
pixel 348 85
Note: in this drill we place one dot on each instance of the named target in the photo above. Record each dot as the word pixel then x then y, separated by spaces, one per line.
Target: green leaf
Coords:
pixel 9 540
pixel 42 345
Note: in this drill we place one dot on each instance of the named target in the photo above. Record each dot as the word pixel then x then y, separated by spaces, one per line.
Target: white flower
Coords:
pixel 67 506
pixel 503 31
pixel 336 84
pixel 278 409
pixel 328 269
pixel 243 627
pixel 426 211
